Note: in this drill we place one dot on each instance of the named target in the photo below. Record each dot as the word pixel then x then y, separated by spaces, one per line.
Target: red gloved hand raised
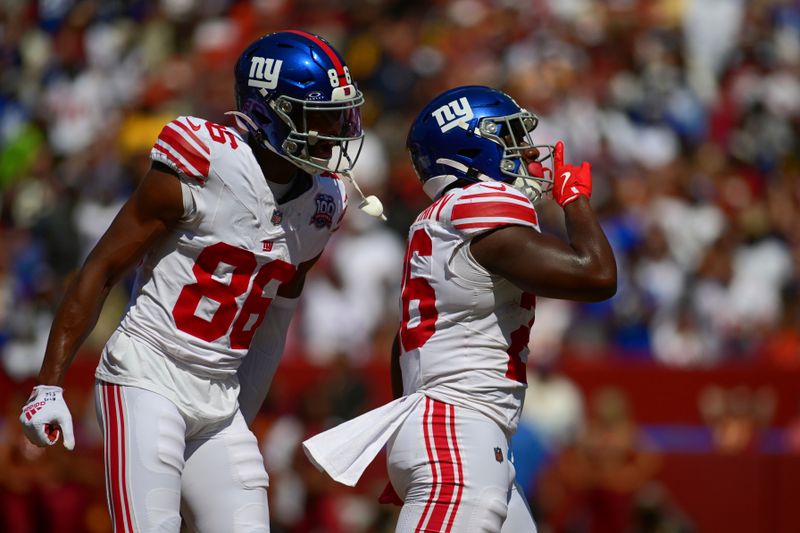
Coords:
pixel 570 181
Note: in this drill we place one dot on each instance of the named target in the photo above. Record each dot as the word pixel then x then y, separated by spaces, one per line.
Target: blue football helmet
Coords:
pixel 294 94
pixel 475 133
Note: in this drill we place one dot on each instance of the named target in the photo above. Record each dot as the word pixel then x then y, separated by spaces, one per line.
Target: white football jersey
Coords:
pixel 202 294
pixel 464 331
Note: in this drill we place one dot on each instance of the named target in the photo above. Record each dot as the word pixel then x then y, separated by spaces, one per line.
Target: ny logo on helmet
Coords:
pixel 456 113
pixel 264 72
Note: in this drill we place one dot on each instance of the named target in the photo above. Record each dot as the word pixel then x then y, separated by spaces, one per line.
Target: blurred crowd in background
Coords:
pixel 687 109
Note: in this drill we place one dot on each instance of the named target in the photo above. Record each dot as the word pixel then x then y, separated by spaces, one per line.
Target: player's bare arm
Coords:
pixel 583 269
pixel 258 367
pixel 153 209
pixel 294 287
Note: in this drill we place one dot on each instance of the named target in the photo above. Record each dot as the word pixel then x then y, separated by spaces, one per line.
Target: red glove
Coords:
pixel 570 181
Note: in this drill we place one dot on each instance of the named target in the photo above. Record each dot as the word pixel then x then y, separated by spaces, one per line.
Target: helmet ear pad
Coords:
pixel 267 122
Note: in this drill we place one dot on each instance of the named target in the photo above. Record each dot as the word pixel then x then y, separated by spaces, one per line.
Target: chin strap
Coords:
pixel 243 120
pixel 246 123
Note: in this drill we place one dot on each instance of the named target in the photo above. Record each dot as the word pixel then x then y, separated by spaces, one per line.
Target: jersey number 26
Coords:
pixel 418 289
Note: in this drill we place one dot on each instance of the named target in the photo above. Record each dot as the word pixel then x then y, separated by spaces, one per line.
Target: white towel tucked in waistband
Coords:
pixel 345 451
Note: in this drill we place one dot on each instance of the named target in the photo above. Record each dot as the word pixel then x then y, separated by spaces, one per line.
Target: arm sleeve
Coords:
pixel 259 365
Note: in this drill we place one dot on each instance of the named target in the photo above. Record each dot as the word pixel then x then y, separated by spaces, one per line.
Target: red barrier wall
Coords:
pixel 751 491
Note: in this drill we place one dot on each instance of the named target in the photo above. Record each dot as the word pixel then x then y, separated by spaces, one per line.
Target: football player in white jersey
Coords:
pixel 474 264
pixel 222 230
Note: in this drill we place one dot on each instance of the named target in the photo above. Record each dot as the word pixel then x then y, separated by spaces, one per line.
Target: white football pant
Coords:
pixel 160 465
pixel 450 466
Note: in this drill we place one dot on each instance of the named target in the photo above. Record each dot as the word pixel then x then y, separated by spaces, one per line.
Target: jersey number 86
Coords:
pixel 244 321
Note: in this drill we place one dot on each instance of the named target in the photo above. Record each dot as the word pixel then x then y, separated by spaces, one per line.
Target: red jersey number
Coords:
pixel 225 293
pixel 256 305
pixel 417 289
pixel 219 133
pixel 519 340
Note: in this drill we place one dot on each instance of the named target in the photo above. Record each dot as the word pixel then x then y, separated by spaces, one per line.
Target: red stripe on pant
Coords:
pixel 123 471
pixel 443 455
pixel 116 460
pixel 431 461
pixel 106 448
pixel 457 453
pixel 445 501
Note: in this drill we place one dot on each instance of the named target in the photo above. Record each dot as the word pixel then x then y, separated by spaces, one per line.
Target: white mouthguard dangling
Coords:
pixel 371 205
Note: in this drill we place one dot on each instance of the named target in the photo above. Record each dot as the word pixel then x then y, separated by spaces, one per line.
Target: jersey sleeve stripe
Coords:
pixel 181 164
pixel 198 142
pixel 490 223
pixel 442 201
pixel 180 145
pixel 173 159
pixel 186 141
pixel 481 210
pixel 191 170
pixel 498 194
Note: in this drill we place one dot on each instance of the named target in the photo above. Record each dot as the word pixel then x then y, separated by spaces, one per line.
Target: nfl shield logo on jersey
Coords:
pixel 326 208
pixel 277 216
